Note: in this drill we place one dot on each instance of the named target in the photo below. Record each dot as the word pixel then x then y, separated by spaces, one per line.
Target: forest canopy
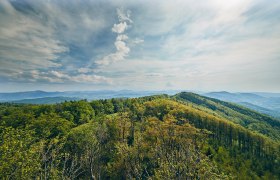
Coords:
pixel 185 136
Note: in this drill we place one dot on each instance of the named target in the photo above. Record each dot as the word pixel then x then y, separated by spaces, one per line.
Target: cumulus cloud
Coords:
pixel 119 28
pixel 121 47
pixel 122 50
pixel 122 37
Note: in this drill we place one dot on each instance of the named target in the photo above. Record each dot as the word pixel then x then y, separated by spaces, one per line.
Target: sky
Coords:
pixel 213 45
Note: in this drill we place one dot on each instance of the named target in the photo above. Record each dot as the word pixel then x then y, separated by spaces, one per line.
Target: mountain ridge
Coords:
pixel 251 100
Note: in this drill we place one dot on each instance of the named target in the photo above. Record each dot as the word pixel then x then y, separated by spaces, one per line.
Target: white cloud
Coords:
pixel 119 28
pixel 25 40
pixel 122 37
pixel 84 70
pixel 190 43
pixel 79 78
pixel 124 16
pixel 122 50
pixel 59 77
pixel 39 41
pixel 83 78
pixel 120 54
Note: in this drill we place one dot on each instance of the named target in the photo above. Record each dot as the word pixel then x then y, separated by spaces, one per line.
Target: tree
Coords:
pixel 81 110
pixel 50 125
pixel 19 157
pixel 87 142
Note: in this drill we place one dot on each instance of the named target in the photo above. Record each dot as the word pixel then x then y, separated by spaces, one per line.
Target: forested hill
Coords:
pixel 267 103
pixel 237 114
pixel 185 136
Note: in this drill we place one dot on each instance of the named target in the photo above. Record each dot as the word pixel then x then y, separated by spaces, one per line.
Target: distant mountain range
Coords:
pixel 45 100
pixel 22 97
pixel 267 103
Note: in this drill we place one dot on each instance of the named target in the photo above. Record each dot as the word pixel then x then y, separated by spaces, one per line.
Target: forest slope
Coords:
pixel 185 136
pixel 237 114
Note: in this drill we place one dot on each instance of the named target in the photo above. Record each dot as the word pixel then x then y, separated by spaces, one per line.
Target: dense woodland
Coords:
pixel 185 136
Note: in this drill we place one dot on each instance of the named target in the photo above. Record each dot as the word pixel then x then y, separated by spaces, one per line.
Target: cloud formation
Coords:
pixel 59 77
pixel 189 44
pixel 119 28
pixel 122 50
pixel 27 41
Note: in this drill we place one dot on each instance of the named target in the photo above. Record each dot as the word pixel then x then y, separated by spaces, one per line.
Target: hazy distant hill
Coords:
pixel 261 109
pixel 27 95
pixel 46 100
pixel 236 97
pixel 266 94
pixel 90 95
pixel 269 103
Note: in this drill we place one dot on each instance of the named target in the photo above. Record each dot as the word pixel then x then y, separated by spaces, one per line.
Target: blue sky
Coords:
pixel 211 45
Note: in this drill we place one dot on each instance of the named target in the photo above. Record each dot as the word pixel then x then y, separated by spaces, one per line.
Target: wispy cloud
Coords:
pixel 181 44
pixel 26 41
pixel 59 77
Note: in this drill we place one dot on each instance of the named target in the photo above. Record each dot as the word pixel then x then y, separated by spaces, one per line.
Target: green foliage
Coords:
pixel 50 126
pixel 185 136
pixel 19 157
pixel 20 119
pixel 80 110
pixel 245 117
